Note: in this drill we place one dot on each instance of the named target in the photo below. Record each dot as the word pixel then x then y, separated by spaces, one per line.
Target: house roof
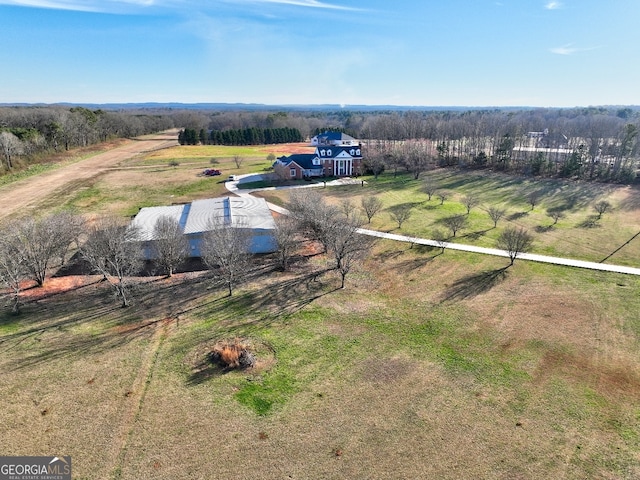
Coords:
pixel 304 160
pixel 334 151
pixel 193 218
pixel 334 136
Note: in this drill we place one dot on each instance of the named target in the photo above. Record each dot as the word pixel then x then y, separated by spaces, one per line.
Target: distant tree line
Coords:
pixel 594 143
pixel 31 133
pixel 319 130
pixel 245 136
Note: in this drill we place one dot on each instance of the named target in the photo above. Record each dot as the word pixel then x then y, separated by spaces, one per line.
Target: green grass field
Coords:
pixel 578 235
pixel 427 365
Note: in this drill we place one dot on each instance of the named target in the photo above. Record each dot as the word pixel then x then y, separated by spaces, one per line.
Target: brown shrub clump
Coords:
pixel 232 354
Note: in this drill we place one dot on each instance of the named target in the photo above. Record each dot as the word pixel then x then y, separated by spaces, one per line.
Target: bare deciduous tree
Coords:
pixel 442 196
pixel 533 198
pixel 496 213
pixel 417 157
pixel 45 239
pixel 337 233
pixel 70 228
pixel 225 249
pixel 555 214
pixel 348 207
pixel 440 237
pixel 515 241
pixel 113 250
pixel 470 201
pixel 601 208
pixel 400 213
pixel 375 163
pixel 170 246
pixel 10 145
pixel 315 218
pixel 430 188
pixel 455 223
pixel 12 267
pixel 370 206
pixel 348 246
pixel 286 234
pixel 238 160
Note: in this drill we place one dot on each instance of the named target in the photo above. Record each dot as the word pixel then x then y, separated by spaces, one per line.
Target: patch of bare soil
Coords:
pixel 56 285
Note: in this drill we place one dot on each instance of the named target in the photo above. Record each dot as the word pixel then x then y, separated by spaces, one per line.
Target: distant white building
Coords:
pixel 334 139
pixel 196 217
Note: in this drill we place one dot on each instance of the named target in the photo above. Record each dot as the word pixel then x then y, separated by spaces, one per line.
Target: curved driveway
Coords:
pixel 233 187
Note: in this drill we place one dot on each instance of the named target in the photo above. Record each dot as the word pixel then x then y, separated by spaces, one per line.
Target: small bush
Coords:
pixel 232 354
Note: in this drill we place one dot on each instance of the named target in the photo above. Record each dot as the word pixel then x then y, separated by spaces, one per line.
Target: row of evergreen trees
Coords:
pixel 246 136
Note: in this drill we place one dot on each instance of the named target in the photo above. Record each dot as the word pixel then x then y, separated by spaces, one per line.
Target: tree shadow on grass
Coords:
pixel 474 236
pixel 544 228
pixel 517 216
pixel 275 300
pixel 474 284
pixel 631 201
pixel 412 264
pixel 590 222
pixel 203 372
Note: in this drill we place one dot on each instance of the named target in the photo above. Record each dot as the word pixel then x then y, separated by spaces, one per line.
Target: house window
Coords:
pixel 316 161
pixel 329 152
pixel 352 152
pixel 358 151
pixel 292 172
pixel 322 152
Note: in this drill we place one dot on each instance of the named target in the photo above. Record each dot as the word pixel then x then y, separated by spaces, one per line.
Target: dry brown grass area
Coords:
pixel 106 390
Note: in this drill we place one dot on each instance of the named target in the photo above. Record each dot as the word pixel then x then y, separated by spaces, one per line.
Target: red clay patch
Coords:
pixel 55 285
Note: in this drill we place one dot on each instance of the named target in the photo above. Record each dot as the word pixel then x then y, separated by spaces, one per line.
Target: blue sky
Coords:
pixel 401 52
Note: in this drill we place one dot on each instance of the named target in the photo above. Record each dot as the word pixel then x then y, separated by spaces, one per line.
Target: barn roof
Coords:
pixel 194 218
pixel 147 217
pixel 246 212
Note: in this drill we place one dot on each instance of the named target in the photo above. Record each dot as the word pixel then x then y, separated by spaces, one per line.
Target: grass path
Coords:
pixel 136 399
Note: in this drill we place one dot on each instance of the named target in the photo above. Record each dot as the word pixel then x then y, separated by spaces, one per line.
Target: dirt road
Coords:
pixel 26 195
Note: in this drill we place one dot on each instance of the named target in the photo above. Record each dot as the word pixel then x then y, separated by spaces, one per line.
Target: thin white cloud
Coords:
pixel 569 49
pixel 79 5
pixel 118 5
pixel 553 5
pixel 308 3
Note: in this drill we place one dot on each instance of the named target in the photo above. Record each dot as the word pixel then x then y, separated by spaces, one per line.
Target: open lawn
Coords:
pixel 579 234
pixel 427 365
pixel 150 180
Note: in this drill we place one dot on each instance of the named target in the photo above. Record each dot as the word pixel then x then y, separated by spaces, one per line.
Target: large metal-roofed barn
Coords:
pixel 197 217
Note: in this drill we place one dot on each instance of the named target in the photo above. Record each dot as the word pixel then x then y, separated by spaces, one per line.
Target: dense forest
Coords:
pixel 245 136
pixel 596 143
